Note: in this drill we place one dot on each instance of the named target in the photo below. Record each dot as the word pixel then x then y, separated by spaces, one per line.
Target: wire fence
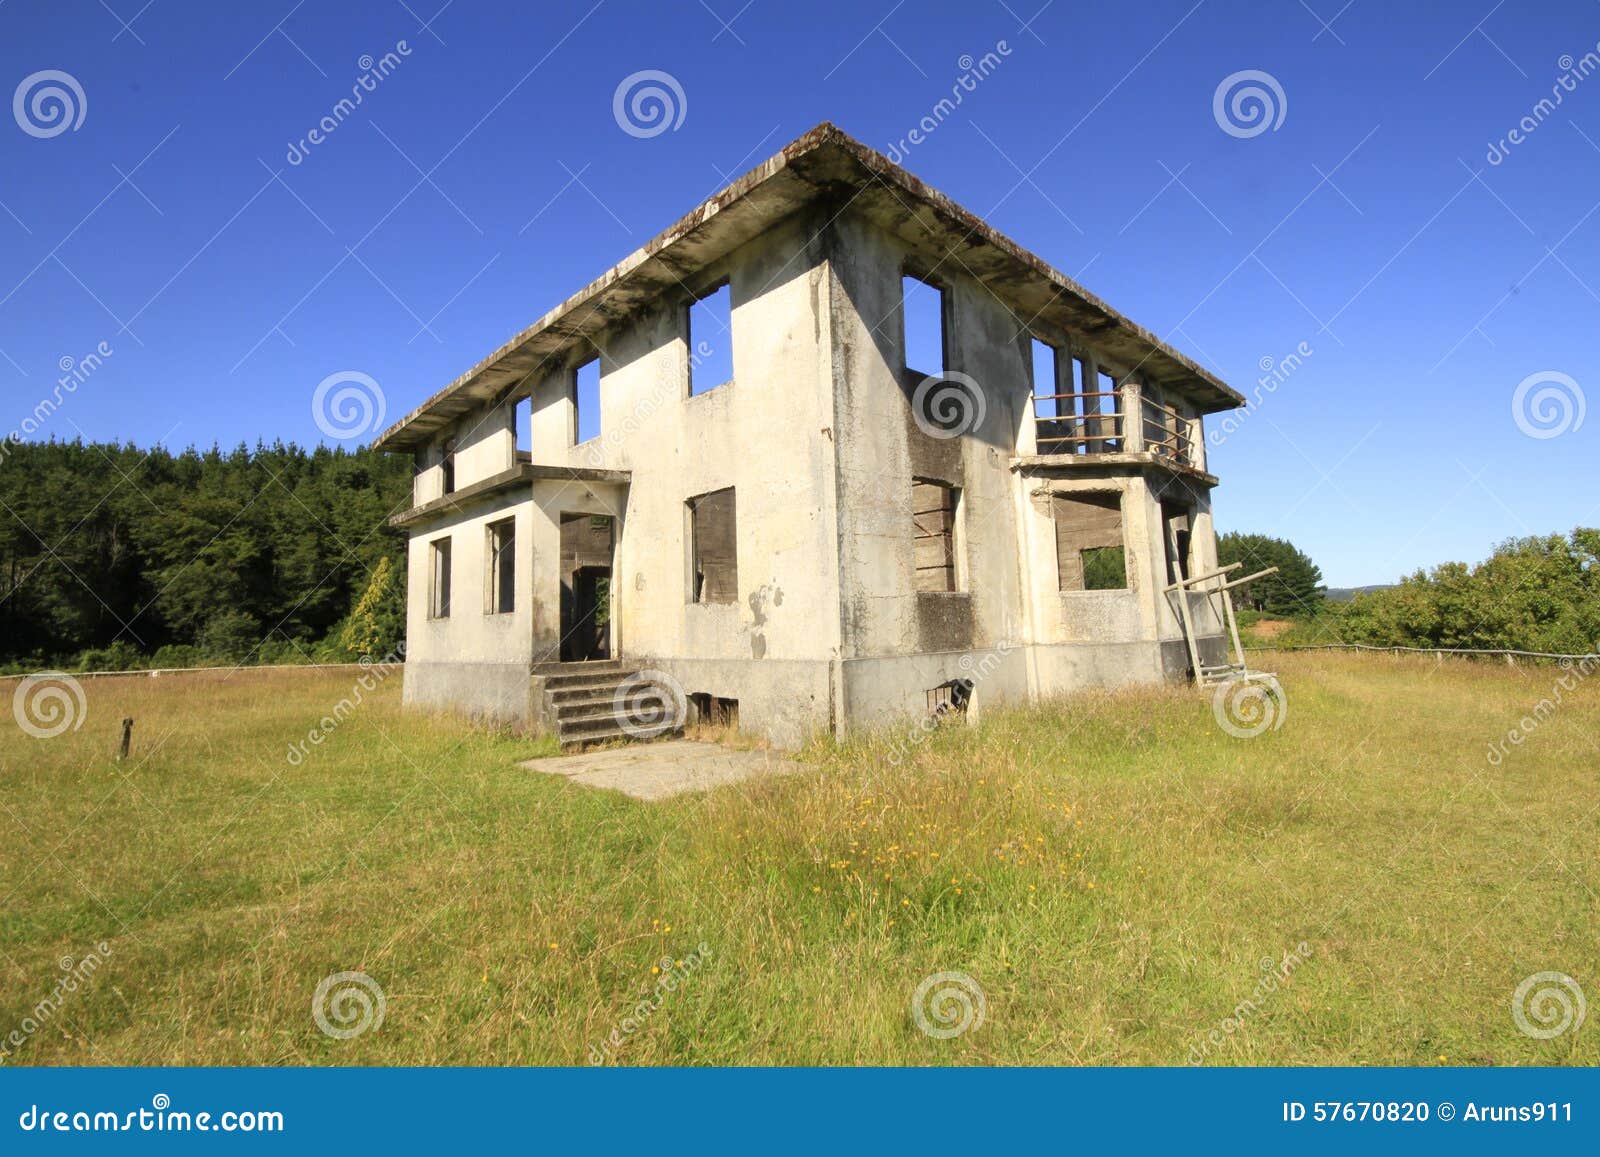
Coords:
pixel 1441 652
pixel 154 671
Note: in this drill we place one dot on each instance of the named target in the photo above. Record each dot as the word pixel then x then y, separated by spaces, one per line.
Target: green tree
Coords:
pixel 1532 594
pixel 242 553
pixel 1295 590
pixel 377 624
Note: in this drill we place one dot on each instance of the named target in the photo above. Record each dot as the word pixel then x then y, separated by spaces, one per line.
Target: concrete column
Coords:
pixel 1132 415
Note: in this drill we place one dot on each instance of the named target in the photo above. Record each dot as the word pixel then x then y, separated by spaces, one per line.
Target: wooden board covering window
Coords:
pixel 933 515
pixel 1084 522
pixel 714 533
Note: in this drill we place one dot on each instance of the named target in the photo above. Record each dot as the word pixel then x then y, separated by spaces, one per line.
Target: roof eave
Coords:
pixel 802 171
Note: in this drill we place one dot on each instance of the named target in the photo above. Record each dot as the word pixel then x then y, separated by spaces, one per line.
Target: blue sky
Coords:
pixel 486 177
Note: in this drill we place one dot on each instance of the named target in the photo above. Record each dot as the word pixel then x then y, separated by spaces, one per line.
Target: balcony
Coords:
pixel 1093 428
pixel 1167 434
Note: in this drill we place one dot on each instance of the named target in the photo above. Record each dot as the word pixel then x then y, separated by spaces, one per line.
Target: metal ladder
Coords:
pixel 1236 668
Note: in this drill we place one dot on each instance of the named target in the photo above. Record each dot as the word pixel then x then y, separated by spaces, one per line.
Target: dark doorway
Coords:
pixel 586 543
pixel 1176 522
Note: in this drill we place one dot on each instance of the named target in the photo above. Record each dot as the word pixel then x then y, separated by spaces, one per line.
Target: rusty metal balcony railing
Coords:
pixel 1166 433
pixel 1078 423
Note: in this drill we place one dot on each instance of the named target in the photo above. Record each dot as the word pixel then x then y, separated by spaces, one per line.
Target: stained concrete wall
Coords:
pixel 897 643
pixel 768 434
pixel 816 435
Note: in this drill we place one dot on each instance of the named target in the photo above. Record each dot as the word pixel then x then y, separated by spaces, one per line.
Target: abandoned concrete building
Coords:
pixel 932 473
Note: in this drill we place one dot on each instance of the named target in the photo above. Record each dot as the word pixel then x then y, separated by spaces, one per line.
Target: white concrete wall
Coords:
pixel 473 659
pixel 486 444
pixel 881 450
pixel 816 436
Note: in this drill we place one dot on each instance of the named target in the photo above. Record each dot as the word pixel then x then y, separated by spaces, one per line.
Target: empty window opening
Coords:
pixel 1046 390
pixel 949 698
pixel 1069 417
pixel 586 400
pixel 1105 430
pixel 522 429
pixel 439 579
pixel 933 517
pixel 922 312
pixel 501 553
pixel 1089 550
pixel 447 466
pixel 710 340
pixel 713 548
pixel 713 711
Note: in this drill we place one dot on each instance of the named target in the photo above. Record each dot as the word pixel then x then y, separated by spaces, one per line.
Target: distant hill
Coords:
pixel 1345 594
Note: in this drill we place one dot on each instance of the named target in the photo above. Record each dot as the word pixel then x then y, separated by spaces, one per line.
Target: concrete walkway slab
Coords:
pixel 661 770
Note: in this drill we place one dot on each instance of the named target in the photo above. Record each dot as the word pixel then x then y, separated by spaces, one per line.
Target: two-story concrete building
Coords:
pixel 841 532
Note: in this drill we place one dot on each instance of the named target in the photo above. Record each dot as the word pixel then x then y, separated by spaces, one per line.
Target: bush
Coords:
pixel 177 655
pixel 119 656
pixel 230 637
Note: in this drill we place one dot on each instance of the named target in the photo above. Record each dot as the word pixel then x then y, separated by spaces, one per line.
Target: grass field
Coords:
pixel 1110 871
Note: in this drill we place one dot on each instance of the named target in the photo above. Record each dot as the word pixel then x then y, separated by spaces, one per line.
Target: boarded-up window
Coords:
pixel 439 579
pixel 713 548
pixel 933 514
pixel 500 589
pixel 1089 548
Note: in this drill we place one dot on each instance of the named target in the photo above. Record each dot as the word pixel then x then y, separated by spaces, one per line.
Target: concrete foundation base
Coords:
pixel 787 702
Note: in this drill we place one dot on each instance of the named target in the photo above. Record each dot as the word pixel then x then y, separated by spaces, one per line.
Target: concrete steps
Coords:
pixel 581 702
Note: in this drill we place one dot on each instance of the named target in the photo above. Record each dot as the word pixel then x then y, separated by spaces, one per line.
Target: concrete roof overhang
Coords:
pixel 824 164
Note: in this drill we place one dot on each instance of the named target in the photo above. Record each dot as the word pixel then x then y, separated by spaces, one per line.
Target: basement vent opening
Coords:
pixel 949 698
pixel 713 711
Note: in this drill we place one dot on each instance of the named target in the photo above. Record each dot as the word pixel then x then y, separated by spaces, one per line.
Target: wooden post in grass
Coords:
pixel 127 737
